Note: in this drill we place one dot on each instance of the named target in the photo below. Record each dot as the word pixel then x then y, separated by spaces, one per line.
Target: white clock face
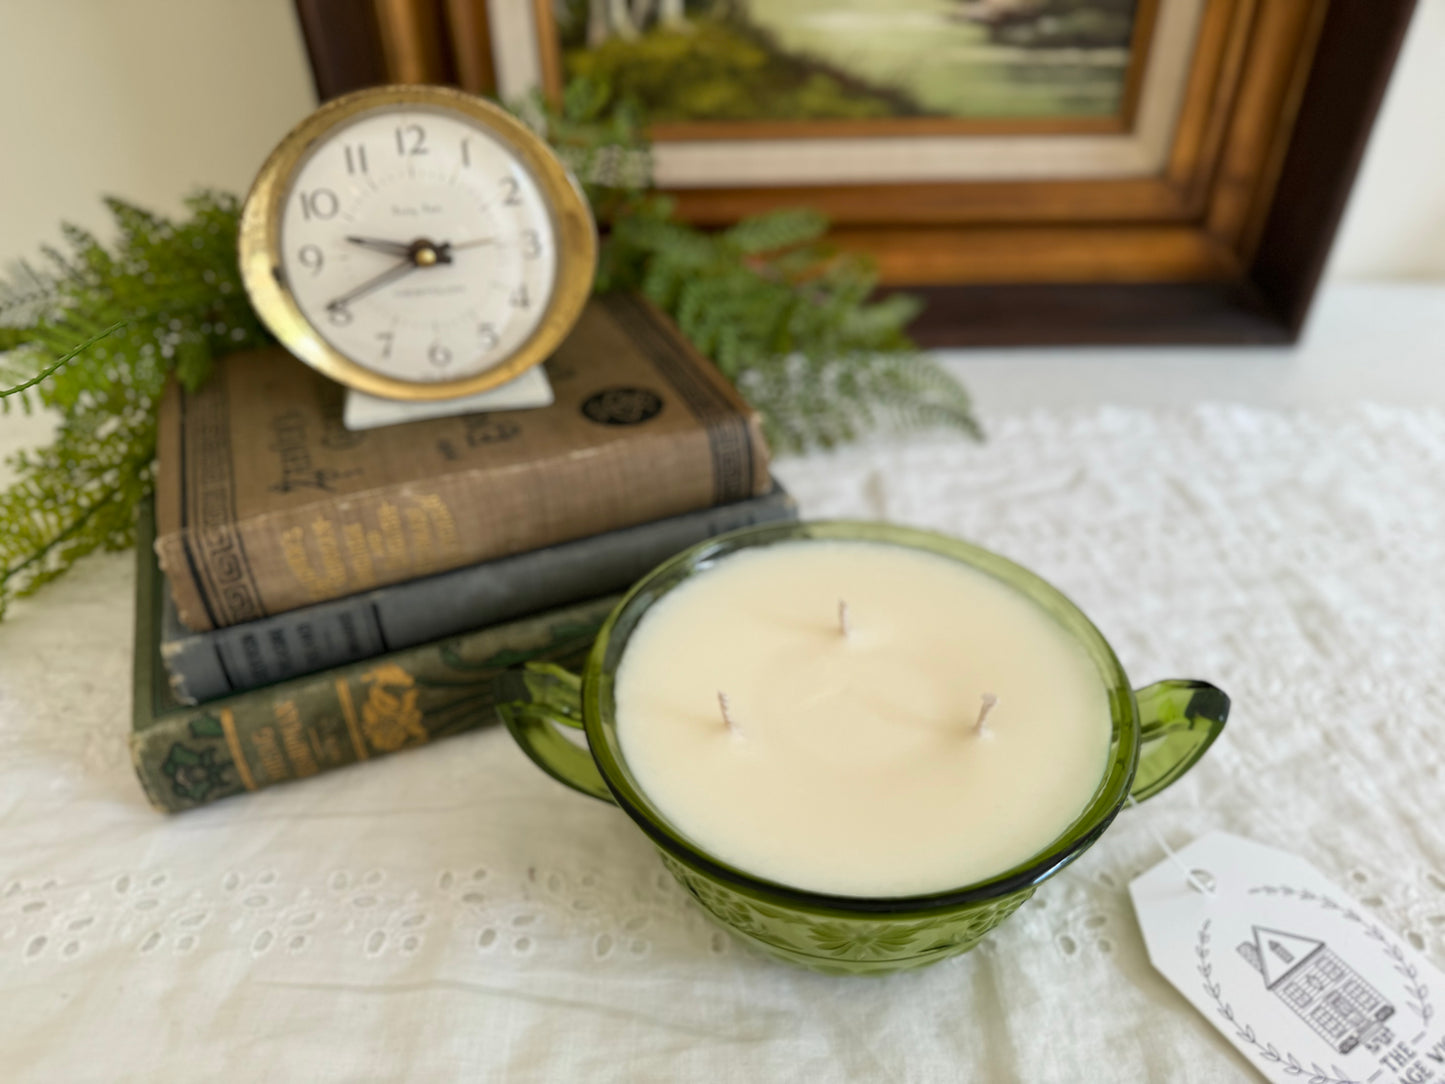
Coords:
pixel 418 245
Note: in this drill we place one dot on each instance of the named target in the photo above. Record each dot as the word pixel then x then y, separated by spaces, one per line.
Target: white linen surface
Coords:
pixel 453 914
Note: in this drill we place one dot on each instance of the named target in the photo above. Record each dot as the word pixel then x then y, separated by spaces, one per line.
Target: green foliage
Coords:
pixel 166 296
pixel 712 69
pixel 94 333
pixel 794 324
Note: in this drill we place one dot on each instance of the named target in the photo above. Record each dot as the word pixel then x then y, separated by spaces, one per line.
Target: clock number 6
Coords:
pixel 439 355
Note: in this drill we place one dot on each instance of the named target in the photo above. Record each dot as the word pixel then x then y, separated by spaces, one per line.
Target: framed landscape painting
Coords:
pixel 759 93
pixel 1041 170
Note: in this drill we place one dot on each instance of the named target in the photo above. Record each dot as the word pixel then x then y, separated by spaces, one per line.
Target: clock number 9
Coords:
pixel 439 355
pixel 310 257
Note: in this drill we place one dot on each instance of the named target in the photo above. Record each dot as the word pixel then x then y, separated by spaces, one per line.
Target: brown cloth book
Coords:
pixel 265 503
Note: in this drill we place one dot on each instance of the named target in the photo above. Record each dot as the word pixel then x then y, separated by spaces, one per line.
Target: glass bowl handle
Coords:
pixel 533 701
pixel 1179 720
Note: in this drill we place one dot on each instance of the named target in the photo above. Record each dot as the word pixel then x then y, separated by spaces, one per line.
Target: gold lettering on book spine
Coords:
pixel 422 555
pixel 348 709
pixel 363 574
pixel 390 717
pixel 293 738
pixel 393 541
pixel 442 522
pixel 330 582
pixel 233 743
pixel 333 568
pixel 270 753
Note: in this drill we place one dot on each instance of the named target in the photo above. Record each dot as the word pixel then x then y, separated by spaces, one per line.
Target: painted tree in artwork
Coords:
pixel 627 19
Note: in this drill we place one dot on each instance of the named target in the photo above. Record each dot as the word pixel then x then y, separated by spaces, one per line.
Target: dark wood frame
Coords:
pixel 1226 247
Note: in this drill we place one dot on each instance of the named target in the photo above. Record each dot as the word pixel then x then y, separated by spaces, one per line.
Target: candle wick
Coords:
pixel 728 720
pixel 844 626
pixel 987 703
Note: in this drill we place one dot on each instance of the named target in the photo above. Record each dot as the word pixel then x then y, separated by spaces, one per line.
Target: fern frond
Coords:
pixel 95 330
pixel 95 338
pixel 795 325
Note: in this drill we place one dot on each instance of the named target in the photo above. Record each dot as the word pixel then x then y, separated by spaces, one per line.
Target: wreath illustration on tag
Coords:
pixel 1318 986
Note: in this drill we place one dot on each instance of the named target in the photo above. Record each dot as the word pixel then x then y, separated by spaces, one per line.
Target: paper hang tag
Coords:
pixel 1293 972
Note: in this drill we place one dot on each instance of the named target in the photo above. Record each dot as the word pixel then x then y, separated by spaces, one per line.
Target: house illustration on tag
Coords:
pixel 1324 991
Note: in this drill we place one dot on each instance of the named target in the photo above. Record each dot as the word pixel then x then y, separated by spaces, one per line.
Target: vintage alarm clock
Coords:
pixel 417 243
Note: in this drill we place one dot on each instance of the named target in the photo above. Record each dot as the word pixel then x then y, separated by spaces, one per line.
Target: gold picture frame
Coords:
pixel 1223 242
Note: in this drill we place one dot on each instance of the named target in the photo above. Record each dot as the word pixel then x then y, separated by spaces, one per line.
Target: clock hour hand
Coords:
pixel 406 267
pixel 401 248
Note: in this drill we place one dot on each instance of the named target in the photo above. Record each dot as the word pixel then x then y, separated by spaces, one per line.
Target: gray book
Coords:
pixel 206 665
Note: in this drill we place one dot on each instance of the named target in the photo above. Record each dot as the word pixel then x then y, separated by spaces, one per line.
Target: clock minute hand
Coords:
pixel 406 267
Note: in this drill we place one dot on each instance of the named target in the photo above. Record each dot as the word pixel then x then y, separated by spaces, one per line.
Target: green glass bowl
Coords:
pixel 1158 734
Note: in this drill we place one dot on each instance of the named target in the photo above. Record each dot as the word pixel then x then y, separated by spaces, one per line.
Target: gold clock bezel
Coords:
pixel 265 277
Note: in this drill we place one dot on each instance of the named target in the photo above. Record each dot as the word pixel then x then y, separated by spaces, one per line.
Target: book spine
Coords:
pixel 207 665
pixel 192 756
pixel 226 569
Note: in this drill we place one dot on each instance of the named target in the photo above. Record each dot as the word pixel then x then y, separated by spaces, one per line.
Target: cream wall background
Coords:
pixel 148 98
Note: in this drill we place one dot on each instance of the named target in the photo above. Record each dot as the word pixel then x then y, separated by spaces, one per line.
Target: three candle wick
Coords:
pixel 988 701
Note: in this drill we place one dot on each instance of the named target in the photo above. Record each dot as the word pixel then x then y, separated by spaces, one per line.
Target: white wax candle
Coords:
pixel 854 766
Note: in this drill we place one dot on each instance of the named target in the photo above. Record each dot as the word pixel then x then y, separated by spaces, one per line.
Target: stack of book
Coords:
pixel 309 597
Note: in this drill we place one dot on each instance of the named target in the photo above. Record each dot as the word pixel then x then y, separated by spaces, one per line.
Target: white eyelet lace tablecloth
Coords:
pixel 453 914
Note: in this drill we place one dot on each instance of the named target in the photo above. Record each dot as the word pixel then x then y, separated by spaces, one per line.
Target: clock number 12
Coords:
pixel 410 139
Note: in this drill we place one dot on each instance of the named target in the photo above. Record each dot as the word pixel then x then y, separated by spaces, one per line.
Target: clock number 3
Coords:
pixel 410 139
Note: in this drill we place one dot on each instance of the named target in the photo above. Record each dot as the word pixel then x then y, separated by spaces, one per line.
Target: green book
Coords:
pixel 187 756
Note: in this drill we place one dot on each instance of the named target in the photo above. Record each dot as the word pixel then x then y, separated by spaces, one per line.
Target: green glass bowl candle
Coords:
pixel 1157 734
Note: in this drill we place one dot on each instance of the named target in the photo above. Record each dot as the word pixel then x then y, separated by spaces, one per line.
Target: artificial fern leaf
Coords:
pixel 95 339
pixel 95 331
pixel 773 232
